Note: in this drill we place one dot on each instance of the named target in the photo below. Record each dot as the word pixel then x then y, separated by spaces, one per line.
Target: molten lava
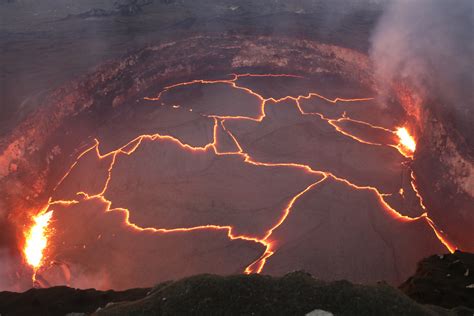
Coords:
pixel 37 239
pixel 37 236
pixel 407 142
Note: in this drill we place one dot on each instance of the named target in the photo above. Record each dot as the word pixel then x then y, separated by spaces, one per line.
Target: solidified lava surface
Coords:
pixel 220 155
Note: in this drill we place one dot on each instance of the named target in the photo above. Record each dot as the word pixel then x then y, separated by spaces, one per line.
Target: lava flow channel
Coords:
pixel 37 238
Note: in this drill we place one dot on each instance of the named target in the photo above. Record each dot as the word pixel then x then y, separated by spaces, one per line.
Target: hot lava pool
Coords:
pixel 250 154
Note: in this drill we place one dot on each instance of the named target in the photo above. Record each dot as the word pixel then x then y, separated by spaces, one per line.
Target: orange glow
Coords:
pixel 418 195
pixel 450 246
pixel 37 239
pixel 407 142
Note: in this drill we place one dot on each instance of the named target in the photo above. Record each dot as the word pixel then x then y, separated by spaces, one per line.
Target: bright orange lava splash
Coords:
pixel 407 142
pixel 37 237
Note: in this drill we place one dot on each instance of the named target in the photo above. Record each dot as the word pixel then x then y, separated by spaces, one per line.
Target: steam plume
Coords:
pixel 429 44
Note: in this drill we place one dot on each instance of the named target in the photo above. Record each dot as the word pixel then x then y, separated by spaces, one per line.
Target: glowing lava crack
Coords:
pixel 227 147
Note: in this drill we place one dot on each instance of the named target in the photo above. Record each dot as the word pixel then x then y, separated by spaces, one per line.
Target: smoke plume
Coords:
pixel 429 45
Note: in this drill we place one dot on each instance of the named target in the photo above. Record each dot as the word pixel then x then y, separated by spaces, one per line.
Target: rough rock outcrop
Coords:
pixel 62 300
pixel 445 280
pixel 296 293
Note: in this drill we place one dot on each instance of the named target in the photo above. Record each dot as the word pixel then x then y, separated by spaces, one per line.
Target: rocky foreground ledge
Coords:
pixel 442 285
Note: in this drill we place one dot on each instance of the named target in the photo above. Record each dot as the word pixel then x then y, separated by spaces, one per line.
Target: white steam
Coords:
pixel 429 44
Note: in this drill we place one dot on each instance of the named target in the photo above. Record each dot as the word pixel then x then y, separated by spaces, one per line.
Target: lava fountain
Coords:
pixel 407 142
pixel 36 240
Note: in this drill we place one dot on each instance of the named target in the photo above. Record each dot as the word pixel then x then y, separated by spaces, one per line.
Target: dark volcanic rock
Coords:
pixel 131 7
pixel 62 300
pixel 296 293
pixel 121 8
pixel 446 281
pixel 92 13
pixel 444 169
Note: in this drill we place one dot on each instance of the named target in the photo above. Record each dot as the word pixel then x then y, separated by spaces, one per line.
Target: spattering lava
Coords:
pixel 407 142
pixel 37 237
